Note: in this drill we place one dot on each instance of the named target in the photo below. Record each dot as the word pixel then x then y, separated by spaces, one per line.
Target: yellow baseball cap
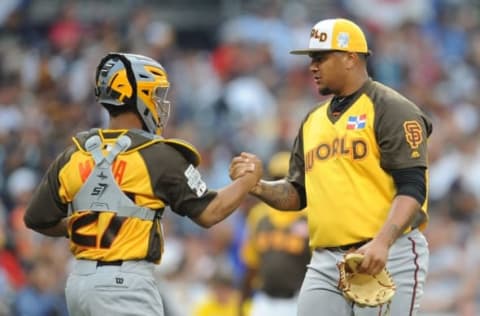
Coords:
pixel 335 34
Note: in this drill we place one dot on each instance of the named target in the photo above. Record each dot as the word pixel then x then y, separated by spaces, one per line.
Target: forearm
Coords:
pixel 278 194
pixel 228 199
pixel 403 211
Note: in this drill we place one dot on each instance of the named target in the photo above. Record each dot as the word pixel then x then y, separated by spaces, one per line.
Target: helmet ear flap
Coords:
pixel 101 64
pixel 102 68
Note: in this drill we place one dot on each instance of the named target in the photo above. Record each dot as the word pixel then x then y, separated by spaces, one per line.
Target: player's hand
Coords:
pixel 245 163
pixel 375 257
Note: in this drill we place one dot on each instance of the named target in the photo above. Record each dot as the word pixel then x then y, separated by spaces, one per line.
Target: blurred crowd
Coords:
pixel 240 91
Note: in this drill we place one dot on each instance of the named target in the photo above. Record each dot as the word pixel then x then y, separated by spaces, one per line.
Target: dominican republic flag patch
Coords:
pixel 357 121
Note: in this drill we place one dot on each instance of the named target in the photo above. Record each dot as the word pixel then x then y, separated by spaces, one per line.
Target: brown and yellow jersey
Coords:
pixel 152 173
pixel 277 241
pixel 343 162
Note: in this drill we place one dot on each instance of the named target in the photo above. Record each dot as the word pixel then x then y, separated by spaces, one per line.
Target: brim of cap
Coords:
pixel 307 51
pixel 310 50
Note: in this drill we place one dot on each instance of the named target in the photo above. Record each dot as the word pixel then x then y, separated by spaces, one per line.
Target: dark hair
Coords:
pixel 115 111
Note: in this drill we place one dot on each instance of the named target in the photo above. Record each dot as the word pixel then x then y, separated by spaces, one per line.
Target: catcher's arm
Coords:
pixel 279 194
pixel 403 211
pixel 58 230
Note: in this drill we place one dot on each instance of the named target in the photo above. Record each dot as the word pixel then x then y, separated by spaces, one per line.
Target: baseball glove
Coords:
pixel 364 289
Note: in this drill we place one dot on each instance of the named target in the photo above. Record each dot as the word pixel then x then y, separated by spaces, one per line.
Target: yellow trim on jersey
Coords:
pixel 111 141
pixel 185 148
pixel 349 195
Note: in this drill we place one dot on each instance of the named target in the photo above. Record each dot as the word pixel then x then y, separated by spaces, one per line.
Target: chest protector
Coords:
pixel 101 192
pixel 104 223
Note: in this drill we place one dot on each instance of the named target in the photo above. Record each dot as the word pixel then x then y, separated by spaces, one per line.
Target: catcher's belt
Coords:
pixel 361 288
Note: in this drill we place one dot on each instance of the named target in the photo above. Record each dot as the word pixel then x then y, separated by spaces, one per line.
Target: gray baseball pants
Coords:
pixel 126 290
pixel 407 263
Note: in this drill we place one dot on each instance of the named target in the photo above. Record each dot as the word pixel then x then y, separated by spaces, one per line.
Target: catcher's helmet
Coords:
pixel 134 82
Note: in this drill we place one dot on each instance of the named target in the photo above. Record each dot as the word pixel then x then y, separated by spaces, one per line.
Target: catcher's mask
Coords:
pixel 134 82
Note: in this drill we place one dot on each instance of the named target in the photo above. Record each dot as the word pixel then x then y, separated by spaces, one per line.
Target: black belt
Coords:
pixel 109 263
pixel 348 247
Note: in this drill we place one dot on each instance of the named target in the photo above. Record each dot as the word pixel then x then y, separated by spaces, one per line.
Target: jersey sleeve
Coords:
pixel 46 207
pixel 296 172
pixel 178 182
pixel 401 130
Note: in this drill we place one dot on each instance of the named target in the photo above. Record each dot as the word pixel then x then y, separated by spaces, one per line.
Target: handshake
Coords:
pixel 249 166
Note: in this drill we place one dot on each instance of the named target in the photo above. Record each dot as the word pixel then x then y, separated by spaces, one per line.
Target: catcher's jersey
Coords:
pixel 276 242
pixel 152 172
pixel 343 161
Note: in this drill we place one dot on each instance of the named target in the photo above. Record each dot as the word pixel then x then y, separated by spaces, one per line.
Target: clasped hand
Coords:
pixel 245 164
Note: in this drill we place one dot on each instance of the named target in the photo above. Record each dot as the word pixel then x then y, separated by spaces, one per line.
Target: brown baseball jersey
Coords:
pixel 152 172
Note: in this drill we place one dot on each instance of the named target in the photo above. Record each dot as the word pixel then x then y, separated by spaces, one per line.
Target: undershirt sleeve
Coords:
pixel 411 182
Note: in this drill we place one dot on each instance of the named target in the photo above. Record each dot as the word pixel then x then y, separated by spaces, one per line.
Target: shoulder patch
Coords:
pixel 195 181
pixel 186 149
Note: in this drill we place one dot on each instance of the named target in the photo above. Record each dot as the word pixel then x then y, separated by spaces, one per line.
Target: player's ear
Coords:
pixel 351 60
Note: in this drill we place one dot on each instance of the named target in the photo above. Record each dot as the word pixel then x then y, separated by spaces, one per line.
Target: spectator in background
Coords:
pixel 446 265
pixel 38 297
pixel 21 184
pixel 380 14
pixel 468 303
pixel 275 252
pixel 222 296
pixel 12 276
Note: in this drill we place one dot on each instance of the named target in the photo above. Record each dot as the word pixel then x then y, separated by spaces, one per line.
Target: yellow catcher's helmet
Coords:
pixel 135 82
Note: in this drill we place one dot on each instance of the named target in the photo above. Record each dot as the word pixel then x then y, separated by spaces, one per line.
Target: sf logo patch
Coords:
pixel 413 136
pixel 413 133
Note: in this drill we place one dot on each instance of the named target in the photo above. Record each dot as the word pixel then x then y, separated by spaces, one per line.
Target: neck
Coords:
pixel 127 120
